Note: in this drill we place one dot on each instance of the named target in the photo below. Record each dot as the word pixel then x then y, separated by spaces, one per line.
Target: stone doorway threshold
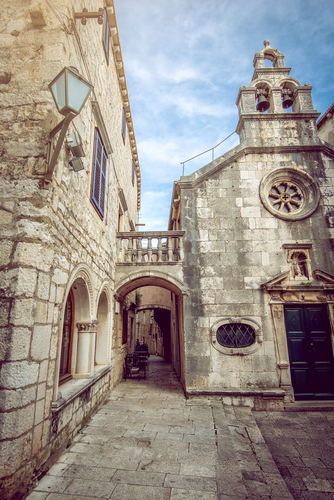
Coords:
pixel 310 406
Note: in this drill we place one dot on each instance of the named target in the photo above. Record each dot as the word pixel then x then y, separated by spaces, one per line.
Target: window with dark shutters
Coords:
pixel 124 125
pixel 99 174
pixel 106 36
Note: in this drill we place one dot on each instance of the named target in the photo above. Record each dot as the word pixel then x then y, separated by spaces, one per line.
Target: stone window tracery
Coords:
pixel 285 197
pixel 236 336
pixel 289 193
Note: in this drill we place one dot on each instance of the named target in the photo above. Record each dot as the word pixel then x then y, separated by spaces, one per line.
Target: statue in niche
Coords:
pixel 299 266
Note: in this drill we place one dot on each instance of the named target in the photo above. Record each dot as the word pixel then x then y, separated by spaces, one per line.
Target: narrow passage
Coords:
pixel 147 442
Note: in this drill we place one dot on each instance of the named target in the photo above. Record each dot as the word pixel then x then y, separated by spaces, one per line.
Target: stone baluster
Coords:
pixel 130 250
pixel 159 249
pixel 181 252
pixel 149 249
pixel 120 249
pixel 169 249
pixel 139 249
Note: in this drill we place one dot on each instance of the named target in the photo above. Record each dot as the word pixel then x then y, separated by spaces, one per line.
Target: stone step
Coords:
pixel 310 406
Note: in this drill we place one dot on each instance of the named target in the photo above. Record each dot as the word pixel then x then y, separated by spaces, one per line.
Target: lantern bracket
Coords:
pixel 62 127
pixel 84 15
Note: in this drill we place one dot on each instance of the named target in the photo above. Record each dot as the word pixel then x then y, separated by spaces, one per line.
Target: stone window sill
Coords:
pixel 75 387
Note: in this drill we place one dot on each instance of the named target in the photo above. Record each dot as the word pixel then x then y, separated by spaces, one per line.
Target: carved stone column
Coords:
pixel 277 311
pixel 86 349
pixel 303 101
pixel 246 100
pixel 275 97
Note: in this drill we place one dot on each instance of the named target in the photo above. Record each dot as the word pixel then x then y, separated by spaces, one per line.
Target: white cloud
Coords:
pixel 185 61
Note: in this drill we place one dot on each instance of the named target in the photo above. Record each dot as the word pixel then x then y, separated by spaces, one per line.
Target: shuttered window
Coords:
pixel 106 36
pixel 99 174
pixel 124 126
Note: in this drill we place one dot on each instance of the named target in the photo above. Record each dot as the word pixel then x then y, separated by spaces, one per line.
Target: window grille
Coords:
pixel 124 125
pixel 106 36
pixel 235 335
pixel 99 174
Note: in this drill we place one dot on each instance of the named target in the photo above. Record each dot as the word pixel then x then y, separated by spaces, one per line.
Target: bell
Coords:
pixel 287 101
pixel 262 104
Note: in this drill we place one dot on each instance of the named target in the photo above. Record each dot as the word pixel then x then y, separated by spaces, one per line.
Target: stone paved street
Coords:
pixel 302 445
pixel 148 442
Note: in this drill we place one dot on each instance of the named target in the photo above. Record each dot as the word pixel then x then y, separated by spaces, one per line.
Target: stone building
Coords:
pixel 61 350
pixel 326 126
pixel 258 222
pixel 156 322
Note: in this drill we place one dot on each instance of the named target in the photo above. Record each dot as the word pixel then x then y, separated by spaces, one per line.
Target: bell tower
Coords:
pixel 275 109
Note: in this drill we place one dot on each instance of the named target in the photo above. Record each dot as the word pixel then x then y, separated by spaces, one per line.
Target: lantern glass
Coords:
pixel 58 91
pixel 70 91
pixel 77 92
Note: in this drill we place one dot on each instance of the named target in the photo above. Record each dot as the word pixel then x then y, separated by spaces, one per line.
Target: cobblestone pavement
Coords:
pixel 148 443
pixel 302 445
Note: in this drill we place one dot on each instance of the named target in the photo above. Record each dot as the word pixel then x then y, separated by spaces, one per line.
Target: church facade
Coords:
pixel 259 264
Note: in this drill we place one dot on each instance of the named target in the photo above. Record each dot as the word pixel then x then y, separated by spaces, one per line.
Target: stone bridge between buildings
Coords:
pixel 150 258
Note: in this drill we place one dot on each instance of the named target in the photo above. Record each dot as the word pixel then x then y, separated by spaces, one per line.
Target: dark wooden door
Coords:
pixel 310 352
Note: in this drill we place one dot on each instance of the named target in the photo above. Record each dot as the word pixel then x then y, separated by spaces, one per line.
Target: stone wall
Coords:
pixel 233 246
pixel 52 238
pixel 237 240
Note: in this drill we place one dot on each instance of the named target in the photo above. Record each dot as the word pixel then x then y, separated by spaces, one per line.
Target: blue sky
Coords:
pixel 185 61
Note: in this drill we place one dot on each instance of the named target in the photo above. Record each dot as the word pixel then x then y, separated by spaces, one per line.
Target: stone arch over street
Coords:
pixel 174 343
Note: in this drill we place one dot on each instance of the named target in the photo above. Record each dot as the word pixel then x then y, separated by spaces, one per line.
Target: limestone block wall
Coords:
pixel 233 244
pixel 52 239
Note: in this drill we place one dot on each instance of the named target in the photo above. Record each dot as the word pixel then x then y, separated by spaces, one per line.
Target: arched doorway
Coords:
pixel 171 322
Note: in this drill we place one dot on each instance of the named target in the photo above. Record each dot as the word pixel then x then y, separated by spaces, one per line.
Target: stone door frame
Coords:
pixel 288 294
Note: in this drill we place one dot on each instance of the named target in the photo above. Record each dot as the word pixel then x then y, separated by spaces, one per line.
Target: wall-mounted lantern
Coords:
pixel 70 91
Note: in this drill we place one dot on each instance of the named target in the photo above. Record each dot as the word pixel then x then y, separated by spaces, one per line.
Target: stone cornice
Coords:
pixel 119 64
pixel 190 183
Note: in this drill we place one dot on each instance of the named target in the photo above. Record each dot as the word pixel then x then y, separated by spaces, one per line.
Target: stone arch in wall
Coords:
pixel 150 278
pixel 104 327
pixel 80 288
pixel 178 288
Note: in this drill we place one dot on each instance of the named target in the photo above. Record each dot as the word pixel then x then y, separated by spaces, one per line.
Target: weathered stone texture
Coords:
pixel 237 243
pixel 48 233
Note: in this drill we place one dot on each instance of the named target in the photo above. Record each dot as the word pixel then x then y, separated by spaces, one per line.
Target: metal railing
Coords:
pixel 211 149
pixel 150 247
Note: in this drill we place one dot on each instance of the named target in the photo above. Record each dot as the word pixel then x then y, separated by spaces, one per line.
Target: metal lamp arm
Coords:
pixel 62 126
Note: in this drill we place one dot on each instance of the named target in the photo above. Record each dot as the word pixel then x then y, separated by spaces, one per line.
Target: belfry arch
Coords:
pixel 178 288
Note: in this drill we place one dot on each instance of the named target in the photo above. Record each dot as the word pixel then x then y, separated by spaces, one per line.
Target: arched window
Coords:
pixel 67 340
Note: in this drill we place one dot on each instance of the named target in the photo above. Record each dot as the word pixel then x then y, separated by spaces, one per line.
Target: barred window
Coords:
pixel 235 335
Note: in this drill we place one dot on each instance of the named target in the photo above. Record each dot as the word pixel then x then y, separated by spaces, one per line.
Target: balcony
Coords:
pixel 150 247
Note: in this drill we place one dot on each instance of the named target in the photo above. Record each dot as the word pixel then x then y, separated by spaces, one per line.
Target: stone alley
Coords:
pixel 148 442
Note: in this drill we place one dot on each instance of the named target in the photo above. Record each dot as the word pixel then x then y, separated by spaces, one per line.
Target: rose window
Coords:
pixel 286 197
pixel 289 193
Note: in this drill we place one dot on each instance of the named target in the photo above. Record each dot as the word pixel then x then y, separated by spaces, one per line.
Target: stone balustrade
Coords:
pixel 150 247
